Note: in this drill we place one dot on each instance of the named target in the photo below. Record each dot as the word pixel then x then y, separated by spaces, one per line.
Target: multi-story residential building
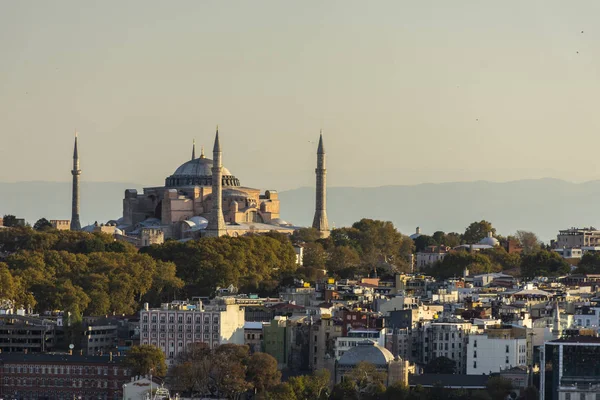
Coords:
pixel 578 237
pixel 276 340
pixel 447 339
pixel 356 319
pixel 587 317
pixel 323 334
pixel 301 296
pixel 24 334
pixel 355 336
pixel 99 339
pixel 175 325
pixel 401 342
pixel 570 369
pixel 60 376
pixel 497 349
pixel 253 336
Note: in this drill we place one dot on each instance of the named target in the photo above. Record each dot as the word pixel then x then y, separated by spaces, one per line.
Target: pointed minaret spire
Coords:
pixel 194 149
pixel 321 148
pixel 320 221
pixel 75 224
pixel 217 146
pixel 216 222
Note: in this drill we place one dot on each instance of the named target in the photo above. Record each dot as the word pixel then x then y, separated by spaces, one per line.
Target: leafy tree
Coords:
pixel 528 241
pixel 146 359
pixel 342 257
pixel 9 220
pixel 589 264
pixel 367 379
pixel 228 370
pixel 262 372
pixel 498 387
pixel 42 224
pixel 543 263
pixel 346 390
pixel 424 241
pixel 7 283
pixel 314 256
pixel 477 231
pixel 441 365
pixel 308 387
pixel 500 257
pixel 397 391
pixel 307 235
pixel 283 391
pixel 452 239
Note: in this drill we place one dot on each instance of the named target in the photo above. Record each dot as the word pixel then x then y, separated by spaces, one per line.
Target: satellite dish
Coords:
pixel 71 346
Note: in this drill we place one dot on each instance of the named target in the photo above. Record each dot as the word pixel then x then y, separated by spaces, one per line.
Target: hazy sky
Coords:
pixel 405 91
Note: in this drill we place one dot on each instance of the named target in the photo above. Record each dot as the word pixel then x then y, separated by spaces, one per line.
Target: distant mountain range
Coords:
pixel 542 205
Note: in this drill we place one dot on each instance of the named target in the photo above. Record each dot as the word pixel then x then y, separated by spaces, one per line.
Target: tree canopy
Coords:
pixel 477 231
pixel 543 263
pixel 42 224
pixel 145 360
pixel 244 262
pixel 441 365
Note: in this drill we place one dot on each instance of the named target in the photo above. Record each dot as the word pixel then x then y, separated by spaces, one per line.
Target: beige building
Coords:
pixel 61 224
pixel 578 237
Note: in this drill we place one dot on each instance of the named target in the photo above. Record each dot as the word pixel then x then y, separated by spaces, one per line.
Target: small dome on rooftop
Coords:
pixel 366 351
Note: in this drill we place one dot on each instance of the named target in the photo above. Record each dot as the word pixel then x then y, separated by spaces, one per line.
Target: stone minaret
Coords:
pixel 320 221
pixel 216 222
pixel 556 331
pixel 194 149
pixel 75 224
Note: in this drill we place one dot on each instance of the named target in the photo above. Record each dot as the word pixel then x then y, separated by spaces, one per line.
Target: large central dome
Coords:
pixel 198 167
pixel 198 172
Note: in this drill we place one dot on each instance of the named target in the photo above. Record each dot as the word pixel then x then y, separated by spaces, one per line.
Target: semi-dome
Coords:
pixel 198 172
pixel 489 240
pixel 366 351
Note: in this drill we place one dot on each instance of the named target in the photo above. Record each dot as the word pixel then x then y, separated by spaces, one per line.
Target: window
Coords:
pixel 474 343
pixel 581 396
pixel 507 350
pixel 475 365
pixel 475 354
pixel 567 396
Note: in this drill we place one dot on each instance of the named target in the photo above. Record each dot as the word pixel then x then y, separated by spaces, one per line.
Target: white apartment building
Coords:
pixel 355 336
pixel 587 317
pixel 488 354
pixel 175 325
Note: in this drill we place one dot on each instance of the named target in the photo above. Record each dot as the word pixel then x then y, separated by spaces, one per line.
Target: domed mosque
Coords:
pixel 203 198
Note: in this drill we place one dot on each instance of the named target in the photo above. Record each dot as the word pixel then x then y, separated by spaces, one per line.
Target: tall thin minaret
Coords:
pixel 216 222
pixel 194 149
pixel 75 224
pixel 556 331
pixel 320 221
